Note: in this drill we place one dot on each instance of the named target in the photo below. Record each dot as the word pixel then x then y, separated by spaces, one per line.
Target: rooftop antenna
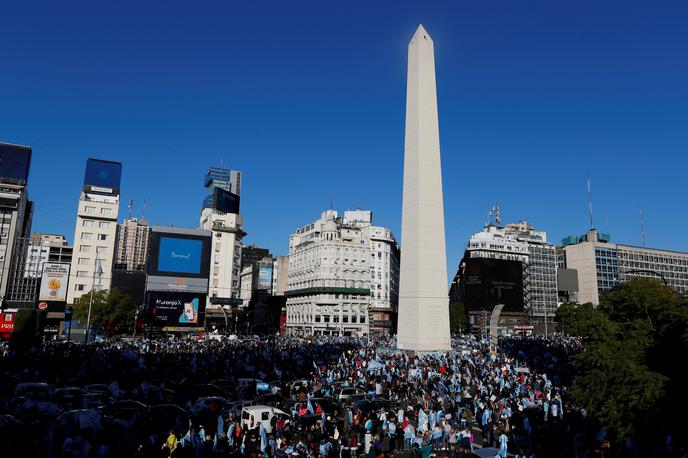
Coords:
pixel 642 225
pixel 143 211
pixel 130 205
pixel 590 200
pixel 497 214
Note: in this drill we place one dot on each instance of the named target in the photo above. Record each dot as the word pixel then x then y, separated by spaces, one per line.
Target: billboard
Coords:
pixel 264 276
pixel 103 174
pixel 225 201
pixel 179 253
pixel 15 161
pixel 54 282
pixel 493 281
pixel 176 309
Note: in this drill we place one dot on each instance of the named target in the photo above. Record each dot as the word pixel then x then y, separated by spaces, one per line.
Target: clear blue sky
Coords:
pixel 307 99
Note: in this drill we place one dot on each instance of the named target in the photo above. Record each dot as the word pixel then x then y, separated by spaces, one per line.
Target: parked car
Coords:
pixel 350 394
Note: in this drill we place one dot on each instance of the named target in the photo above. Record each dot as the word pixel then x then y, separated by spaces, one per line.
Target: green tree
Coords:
pixel 113 311
pixel 458 318
pixel 628 373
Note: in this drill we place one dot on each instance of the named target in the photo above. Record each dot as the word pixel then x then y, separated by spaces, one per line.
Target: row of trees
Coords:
pixel 113 312
pixel 630 371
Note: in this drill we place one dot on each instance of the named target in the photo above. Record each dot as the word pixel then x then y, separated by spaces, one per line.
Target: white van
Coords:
pixel 253 416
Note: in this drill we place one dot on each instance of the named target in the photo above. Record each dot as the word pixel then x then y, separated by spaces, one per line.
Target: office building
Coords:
pixel 251 254
pixel 342 272
pixel 513 265
pixel 220 215
pixel 46 248
pixel 132 244
pixel 96 229
pixel 601 264
pixel 280 275
pixel 16 210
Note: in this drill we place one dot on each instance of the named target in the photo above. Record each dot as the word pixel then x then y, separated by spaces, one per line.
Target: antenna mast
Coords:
pixel 143 212
pixel 590 200
pixel 642 225
pixel 130 206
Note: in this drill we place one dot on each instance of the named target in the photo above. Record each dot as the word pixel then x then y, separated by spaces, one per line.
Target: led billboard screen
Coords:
pixel 176 309
pixel 179 253
pixel 15 161
pixel 103 174
pixel 225 201
pixel 493 281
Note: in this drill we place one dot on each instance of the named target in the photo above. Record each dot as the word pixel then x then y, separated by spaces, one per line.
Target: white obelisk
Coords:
pixel 423 323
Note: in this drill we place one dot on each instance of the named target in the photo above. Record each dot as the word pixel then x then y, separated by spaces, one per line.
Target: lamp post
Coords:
pixel 99 270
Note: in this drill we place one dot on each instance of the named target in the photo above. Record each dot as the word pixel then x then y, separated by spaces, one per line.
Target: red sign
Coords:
pixel 42 305
pixel 6 325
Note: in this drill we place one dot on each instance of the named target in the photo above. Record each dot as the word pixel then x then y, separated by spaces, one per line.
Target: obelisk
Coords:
pixel 423 323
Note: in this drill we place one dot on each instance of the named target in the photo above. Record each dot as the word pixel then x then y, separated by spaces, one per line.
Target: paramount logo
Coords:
pixel 176 255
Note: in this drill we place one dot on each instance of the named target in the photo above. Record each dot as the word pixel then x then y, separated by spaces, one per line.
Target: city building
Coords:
pixel 523 277
pixel 96 228
pixel 16 210
pixel 251 254
pixel 46 248
pixel 601 264
pixel 256 276
pixel 342 271
pixel 132 244
pixel 220 215
pixel 280 275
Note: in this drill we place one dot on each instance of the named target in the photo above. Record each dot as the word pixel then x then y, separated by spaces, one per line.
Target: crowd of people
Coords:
pixel 328 396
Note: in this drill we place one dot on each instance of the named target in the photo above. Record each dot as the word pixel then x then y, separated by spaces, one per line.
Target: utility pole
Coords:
pixel 545 321
pixel 90 303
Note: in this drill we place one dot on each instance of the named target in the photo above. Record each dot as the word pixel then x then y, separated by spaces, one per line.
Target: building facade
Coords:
pixel 517 242
pixel 220 215
pixel 96 229
pixel 280 275
pixel 333 276
pixel 41 247
pixel 132 244
pixel 601 264
pixel 16 210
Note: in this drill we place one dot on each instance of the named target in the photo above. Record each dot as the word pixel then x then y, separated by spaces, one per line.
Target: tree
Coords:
pixel 458 318
pixel 113 311
pixel 628 373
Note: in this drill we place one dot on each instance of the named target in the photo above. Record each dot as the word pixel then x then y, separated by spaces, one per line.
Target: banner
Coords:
pixel 54 282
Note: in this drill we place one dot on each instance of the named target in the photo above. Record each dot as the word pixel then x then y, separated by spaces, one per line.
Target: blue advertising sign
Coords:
pixel 180 255
pixel 103 174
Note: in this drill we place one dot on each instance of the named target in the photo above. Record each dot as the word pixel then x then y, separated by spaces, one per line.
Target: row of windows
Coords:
pixel 91 223
pixel 105 211
pixel 87 249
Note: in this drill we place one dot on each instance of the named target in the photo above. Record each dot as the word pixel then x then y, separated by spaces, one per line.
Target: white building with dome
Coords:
pixel 343 276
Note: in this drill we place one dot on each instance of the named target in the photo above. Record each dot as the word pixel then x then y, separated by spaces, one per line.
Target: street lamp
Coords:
pixel 99 270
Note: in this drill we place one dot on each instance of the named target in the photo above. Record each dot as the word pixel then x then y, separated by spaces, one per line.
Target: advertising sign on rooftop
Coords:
pixel 15 161
pixel 103 174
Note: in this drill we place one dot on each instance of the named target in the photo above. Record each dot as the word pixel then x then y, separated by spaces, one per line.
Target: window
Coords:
pixel 353 319
pixel 86 236
pixel 362 320
pixel 78 287
pixel 101 249
pixel 85 248
pixel 317 318
pixel 88 223
pixel 106 211
pixel 81 273
pixel 104 225
pixel 89 210
pixel 83 261
pixel 102 236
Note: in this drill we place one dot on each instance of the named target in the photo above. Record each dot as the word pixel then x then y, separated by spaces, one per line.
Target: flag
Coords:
pixel 263 438
pixel 422 420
